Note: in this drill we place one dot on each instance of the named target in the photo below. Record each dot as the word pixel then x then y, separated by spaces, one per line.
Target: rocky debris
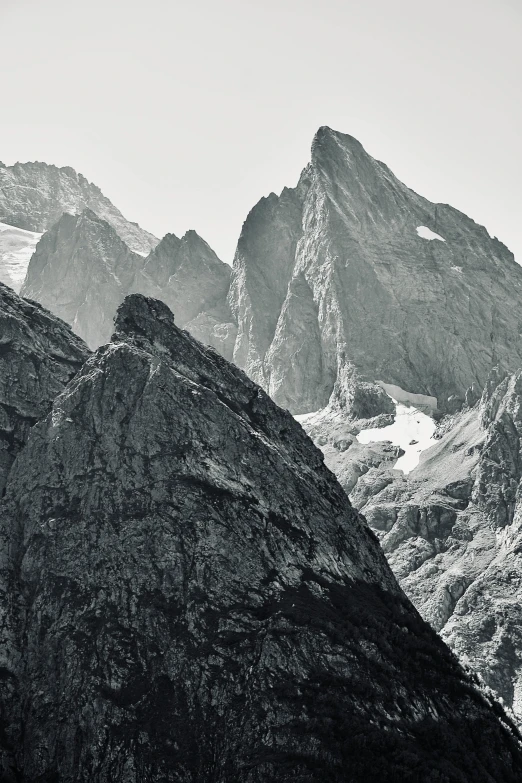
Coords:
pixel 188 596
pixel 334 274
pixel 452 533
pixel 34 196
pixel 38 356
pixel 81 271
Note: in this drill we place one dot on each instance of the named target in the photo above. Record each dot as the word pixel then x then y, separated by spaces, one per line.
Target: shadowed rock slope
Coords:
pixel 82 270
pixel 337 280
pixel 38 356
pixel 35 195
pixel 189 597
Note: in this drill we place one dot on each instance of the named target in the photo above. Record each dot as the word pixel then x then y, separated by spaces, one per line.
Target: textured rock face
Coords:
pixel 38 356
pixel 452 533
pixel 81 271
pixel 34 196
pixel 188 596
pixel 188 276
pixel 334 274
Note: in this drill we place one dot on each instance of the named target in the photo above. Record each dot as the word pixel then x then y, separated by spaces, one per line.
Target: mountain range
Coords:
pixel 187 593
pixel 388 326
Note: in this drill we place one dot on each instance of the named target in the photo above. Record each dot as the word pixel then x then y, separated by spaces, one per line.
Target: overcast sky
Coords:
pixel 186 113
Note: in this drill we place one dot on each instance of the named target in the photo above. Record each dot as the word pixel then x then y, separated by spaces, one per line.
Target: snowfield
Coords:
pixel 412 431
pixel 16 248
pixel 427 233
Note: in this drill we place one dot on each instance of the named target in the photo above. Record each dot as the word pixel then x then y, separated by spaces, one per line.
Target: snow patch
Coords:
pixel 412 431
pixel 427 233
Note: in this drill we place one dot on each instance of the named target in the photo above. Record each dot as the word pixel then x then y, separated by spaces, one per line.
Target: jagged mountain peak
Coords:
pixel 34 195
pixel 81 270
pixel 87 221
pixel 326 139
pixel 196 242
pixel 67 171
pixel 141 316
pixel 390 278
pixel 191 235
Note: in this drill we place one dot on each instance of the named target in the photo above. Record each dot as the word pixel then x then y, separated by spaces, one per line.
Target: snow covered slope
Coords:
pixel 16 248
pixel 412 429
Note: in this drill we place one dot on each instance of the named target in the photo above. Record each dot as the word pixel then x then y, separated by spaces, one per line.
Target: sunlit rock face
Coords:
pixel 34 196
pixel 352 269
pixel 189 596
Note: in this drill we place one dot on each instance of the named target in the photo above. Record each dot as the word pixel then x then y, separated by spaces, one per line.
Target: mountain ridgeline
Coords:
pixel 348 278
pixel 187 594
pixel 34 196
pixel 82 270
pixel 183 578
pixel 313 268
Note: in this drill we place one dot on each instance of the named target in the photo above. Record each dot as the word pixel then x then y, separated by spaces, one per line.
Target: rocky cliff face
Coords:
pixel 81 271
pixel 38 357
pixel 34 196
pixel 188 596
pixel 352 277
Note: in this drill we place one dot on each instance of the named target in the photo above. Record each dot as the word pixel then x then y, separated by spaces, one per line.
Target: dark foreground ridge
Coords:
pixel 189 597
pixel 39 355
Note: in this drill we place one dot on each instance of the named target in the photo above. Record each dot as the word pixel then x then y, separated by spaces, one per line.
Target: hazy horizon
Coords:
pixel 185 116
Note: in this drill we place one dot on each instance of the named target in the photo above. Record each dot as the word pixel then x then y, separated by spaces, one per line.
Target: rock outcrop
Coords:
pixel 38 356
pixel 34 196
pixel 188 596
pixel 352 275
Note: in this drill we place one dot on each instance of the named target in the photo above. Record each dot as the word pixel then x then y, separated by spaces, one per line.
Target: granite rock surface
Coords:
pixel 81 271
pixel 451 530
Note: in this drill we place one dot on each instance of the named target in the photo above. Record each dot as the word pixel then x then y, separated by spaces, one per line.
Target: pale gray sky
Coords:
pixel 186 113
